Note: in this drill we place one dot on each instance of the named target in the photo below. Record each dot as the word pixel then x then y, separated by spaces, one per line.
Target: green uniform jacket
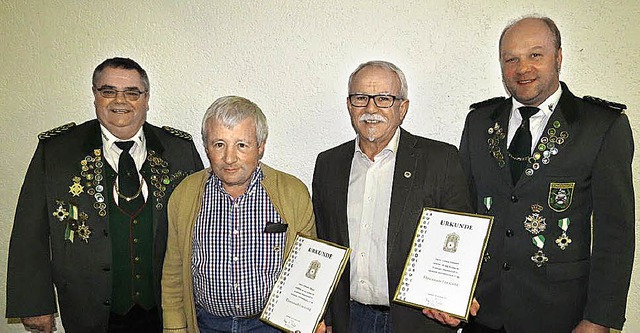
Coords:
pixel 39 255
pixel 587 180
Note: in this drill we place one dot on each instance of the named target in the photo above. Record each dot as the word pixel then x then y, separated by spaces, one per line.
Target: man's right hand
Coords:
pixel 44 323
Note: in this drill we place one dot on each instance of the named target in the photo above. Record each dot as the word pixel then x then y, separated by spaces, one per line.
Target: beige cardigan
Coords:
pixel 290 198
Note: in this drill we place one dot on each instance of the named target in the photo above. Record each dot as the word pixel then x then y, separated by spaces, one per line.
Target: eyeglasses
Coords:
pixel 130 95
pixel 381 101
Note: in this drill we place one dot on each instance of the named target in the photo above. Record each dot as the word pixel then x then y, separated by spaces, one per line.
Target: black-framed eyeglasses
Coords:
pixel 381 101
pixel 130 94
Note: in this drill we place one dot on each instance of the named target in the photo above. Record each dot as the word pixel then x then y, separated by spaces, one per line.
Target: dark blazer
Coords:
pixel 593 165
pixel 39 255
pixel 427 174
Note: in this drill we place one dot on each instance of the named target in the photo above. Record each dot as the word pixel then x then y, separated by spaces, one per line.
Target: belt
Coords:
pixel 376 307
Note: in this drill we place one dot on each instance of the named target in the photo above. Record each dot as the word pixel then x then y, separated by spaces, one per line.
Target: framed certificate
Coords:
pixel 442 269
pixel 300 295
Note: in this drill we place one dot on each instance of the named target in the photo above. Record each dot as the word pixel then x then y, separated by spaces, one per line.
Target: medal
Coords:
pixel 563 240
pixel 76 189
pixel 83 230
pixel 60 213
pixel 539 258
pixel 534 222
pixel 488 201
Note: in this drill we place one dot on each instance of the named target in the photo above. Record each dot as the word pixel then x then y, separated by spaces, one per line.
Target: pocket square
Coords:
pixel 272 227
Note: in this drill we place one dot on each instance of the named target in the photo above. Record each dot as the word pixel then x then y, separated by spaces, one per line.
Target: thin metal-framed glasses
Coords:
pixel 130 94
pixel 381 101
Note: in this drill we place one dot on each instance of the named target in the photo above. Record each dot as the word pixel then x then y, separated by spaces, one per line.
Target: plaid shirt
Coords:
pixel 235 263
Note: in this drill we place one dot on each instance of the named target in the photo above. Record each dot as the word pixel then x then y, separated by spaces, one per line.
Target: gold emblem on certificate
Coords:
pixel 451 242
pixel 312 271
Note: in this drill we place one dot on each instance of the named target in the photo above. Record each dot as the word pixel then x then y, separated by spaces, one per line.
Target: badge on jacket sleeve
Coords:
pixel 560 196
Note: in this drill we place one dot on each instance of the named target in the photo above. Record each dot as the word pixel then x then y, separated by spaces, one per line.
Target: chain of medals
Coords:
pixel 548 147
pixel 160 177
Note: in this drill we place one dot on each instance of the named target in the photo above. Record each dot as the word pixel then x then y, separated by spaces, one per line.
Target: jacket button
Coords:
pixel 514 198
pixel 509 233
pixel 506 266
pixel 107 303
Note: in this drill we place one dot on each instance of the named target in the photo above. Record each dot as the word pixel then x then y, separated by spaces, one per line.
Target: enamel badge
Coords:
pixel 560 196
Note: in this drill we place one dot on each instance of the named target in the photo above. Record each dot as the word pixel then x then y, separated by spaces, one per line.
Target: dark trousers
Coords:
pixel 369 319
pixel 137 320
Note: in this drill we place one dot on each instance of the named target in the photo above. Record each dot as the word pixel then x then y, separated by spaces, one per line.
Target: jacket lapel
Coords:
pixel 405 170
pixel 342 170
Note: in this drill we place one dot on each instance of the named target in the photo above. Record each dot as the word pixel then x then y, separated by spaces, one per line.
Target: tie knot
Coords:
pixel 124 145
pixel 527 111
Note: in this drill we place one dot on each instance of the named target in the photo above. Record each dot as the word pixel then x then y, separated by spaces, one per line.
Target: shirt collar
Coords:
pixel 391 147
pixel 551 103
pixel 109 140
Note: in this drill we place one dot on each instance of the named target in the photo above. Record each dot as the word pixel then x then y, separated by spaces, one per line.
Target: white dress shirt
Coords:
pixel 368 201
pixel 537 122
pixel 138 152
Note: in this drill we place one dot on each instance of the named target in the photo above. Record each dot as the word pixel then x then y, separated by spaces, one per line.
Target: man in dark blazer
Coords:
pixel 369 193
pixel 561 248
pixel 77 227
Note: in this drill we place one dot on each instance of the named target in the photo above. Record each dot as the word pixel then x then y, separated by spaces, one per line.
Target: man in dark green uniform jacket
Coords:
pixel 561 248
pixel 91 216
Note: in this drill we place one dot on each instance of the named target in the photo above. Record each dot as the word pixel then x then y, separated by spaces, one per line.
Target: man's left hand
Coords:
pixel 446 319
pixel 586 326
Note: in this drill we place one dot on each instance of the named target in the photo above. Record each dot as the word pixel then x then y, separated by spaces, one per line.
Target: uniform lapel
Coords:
pixel 497 140
pixel 403 181
pixel 152 174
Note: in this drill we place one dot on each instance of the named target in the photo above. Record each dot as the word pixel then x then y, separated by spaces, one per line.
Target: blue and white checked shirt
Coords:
pixel 235 263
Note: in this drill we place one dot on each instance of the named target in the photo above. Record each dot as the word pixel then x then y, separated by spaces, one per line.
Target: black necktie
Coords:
pixel 520 148
pixel 129 190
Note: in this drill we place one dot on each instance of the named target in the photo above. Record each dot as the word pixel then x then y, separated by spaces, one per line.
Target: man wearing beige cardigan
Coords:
pixel 230 227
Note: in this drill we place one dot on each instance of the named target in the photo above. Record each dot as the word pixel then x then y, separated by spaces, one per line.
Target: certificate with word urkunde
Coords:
pixel 445 258
pixel 300 295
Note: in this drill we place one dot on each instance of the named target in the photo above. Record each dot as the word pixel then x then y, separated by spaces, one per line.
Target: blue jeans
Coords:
pixel 364 319
pixel 209 323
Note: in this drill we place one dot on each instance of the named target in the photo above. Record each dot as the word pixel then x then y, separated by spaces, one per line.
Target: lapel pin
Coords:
pixel 407 174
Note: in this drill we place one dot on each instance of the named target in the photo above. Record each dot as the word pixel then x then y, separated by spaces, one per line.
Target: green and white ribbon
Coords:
pixel 488 201
pixel 564 223
pixel 538 241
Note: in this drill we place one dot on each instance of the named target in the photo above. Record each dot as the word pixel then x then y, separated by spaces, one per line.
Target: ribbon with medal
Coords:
pixel 535 223
pixel 563 240
pixel 539 258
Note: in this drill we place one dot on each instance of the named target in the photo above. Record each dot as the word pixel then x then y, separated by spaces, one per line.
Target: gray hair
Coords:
pixel 404 88
pixel 553 28
pixel 232 110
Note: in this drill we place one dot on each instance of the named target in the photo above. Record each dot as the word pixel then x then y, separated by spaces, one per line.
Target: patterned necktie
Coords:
pixel 520 148
pixel 129 190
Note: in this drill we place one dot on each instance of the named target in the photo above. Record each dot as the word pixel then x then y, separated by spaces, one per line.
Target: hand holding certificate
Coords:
pixel 301 292
pixel 445 258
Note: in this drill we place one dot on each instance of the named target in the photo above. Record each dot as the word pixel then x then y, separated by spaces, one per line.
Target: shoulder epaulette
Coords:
pixel 488 102
pixel 55 131
pixel 610 105
pixel 178 133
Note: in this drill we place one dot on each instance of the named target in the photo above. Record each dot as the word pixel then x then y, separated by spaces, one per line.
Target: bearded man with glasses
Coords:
pixel 368 194
pixel 91 218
